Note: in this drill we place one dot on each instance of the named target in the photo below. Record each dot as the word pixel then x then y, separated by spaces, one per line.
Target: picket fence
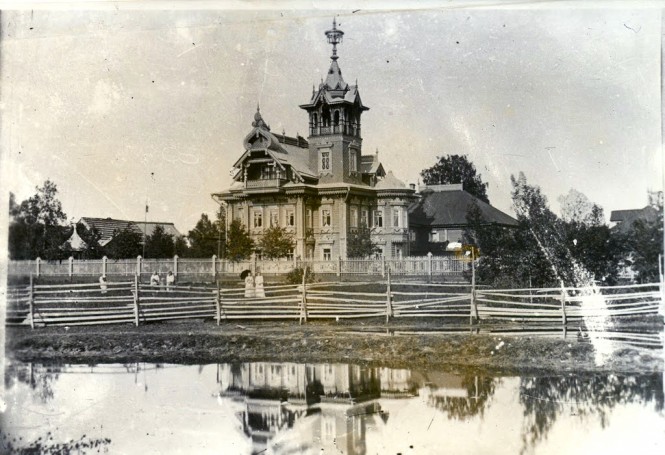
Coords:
pixel 137 303
pixel 207 268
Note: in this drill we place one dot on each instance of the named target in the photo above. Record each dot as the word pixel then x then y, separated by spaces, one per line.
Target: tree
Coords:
pixel 125 244
pixel 456 169
pixel 276 243
pixel 645 242
pixel 208 237
pixel 91 237
pixel 239 244
pixel 359 243
pixel 36 228
pixel 577 208
pixel 159 244
pixel 180 247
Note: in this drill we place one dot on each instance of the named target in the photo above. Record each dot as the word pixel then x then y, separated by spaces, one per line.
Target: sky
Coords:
pixel 121 106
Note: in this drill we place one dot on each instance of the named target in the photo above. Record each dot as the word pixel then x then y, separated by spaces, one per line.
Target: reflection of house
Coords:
pixel 107 227
pixel 438 218
pixel 321 189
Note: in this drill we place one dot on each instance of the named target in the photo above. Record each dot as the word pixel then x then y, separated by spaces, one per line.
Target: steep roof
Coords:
pixel 448 208
pixel 626 218
pixel 370 164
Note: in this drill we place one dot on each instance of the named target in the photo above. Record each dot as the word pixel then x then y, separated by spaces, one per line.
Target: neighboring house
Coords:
pixel 439 217
pixel 322 188
pixel 624 219
pixel 108 226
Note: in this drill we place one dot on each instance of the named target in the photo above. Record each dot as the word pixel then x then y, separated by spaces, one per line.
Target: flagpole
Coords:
pixel 145 225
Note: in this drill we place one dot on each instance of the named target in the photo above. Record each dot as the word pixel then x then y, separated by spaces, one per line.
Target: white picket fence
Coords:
pixel 212 267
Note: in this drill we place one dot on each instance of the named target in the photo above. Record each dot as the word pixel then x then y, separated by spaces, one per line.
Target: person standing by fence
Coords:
pixel 249 285
pixel 103 285
pixel 258 285
pixel 154 279
pixel 170 281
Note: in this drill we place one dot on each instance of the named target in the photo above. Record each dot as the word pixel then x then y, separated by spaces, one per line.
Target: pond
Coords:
pixel 291 408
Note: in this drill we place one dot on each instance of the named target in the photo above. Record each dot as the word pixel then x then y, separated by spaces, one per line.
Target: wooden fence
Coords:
pixel 133 302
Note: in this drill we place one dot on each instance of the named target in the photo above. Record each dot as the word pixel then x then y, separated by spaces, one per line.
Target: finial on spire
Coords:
pixel 377 151
pixel 334 37
pixel 258 120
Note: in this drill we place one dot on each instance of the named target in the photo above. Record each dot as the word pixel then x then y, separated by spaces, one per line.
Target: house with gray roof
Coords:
pixel 438 217
pixel 321 189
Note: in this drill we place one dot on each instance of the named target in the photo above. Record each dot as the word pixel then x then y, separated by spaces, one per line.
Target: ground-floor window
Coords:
pixel 397 250
pixel 327 254
pixel 379 252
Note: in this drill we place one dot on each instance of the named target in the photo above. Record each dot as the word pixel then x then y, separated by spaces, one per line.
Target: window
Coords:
pixel 308 220
pixel 241 215
pixel 327 254
pixel 258 218
pixel 352 161
pixel 325 161
pixel 290 254
pixel 397 250
pixel 290 217
pixel 326 220
pixel 363 218
pixel 379 253
pixel 378 218
pixel 397 216
pixel 274 219
pixel 354 217
pixel 412 235
pixel 434 236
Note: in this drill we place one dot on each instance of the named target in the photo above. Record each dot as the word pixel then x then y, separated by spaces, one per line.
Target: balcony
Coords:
pixel 349 130
pixel 265 184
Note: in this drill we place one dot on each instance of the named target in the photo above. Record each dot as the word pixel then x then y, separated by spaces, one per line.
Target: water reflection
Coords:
pixel 280 408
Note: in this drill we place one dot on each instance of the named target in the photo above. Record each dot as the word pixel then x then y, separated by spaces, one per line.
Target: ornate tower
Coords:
pixel 334 123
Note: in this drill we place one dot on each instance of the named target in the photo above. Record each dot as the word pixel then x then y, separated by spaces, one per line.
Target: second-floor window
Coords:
pixel 308 220
pixel 274 219
pixel 363 218
pixel 290 217
pixel 397 216
pixel 378 218
pixel 258 219
pixel 354 217
pixel 326 218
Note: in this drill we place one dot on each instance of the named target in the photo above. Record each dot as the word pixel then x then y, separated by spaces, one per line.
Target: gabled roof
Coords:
pixel 390 182
pixel 370 164
pixel 107 226
pixel 626 218
pixel 449 209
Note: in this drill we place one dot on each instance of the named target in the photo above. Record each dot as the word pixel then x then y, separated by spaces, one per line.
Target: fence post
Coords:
pixel 214 265
pixel 138 265
pixel 303 305
pixel 429 267
pixel 136 299
pixel 383 266
pixel 38 263
pixel 219 302
pixel 105 261
pixel 339 266
pixel 31 302
pixel 71 266
pixel 175 265
pixel 563 304
pixel 474 304
pixel 389 299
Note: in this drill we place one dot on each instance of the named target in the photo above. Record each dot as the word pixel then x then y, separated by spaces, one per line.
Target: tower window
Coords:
pixel 352 161
pixel 325 161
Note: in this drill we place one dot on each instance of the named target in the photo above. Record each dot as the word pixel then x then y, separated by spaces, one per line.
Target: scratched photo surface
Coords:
pixel 144 114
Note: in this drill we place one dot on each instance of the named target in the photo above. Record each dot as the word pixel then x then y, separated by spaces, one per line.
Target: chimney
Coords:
pixel 412 186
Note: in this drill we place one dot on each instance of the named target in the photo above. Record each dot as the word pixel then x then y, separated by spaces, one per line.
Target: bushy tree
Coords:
pixel 36 228
pixel 208 237
pixel 125 244
pixel 456 169
pixel 91 237
pixel 644 242
pixel 159 244
pixel 359 243
pixel 239 244
pixel 276 242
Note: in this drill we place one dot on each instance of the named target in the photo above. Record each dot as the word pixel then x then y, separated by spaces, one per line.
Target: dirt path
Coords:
pixel 372 344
